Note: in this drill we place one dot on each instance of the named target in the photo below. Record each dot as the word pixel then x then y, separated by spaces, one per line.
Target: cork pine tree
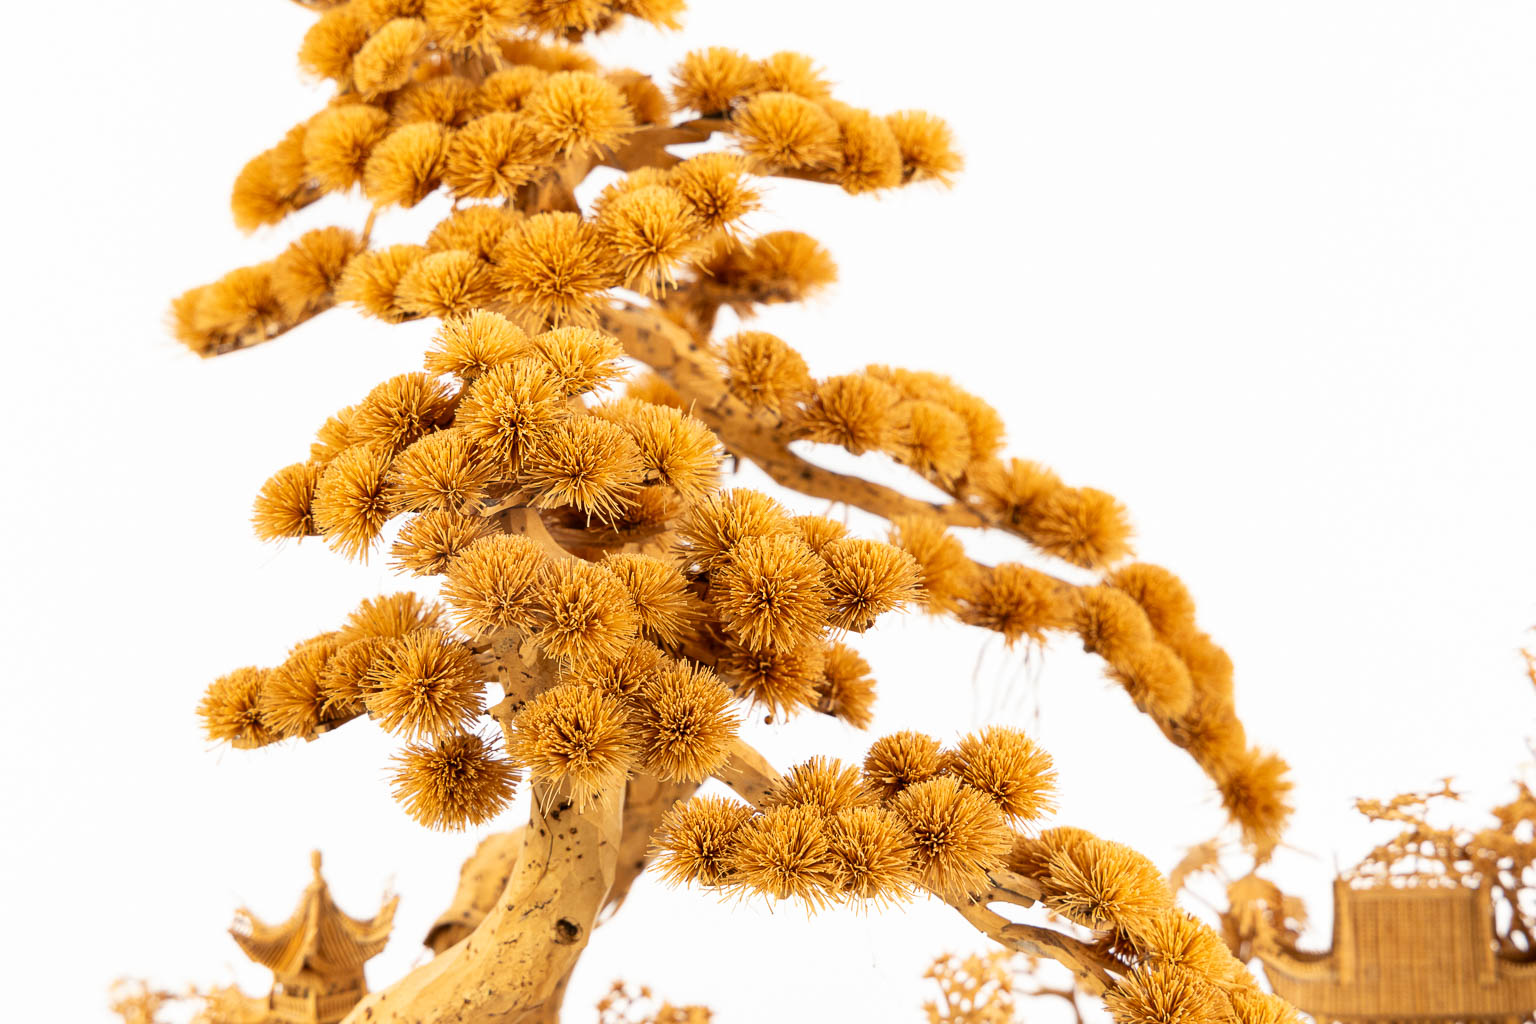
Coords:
pixel 608 610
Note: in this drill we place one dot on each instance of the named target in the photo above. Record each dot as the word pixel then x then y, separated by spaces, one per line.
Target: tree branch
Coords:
pixel 752 777
pixel 673 352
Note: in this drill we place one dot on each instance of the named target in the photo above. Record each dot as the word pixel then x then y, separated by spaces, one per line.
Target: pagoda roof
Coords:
pixel 318 935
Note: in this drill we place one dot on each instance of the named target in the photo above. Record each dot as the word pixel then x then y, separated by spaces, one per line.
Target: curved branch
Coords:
pixel 752 777
pixel 647 147
pixel 1092 969
pixel 748 773
pixel 1012 887
pixel 674 353
pixel 687 363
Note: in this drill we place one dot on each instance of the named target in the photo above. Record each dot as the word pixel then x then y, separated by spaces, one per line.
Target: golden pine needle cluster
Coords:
pixel 913 817
pixel 1140 618
pixel 464 97
pixel 648 651
pixel 1171 965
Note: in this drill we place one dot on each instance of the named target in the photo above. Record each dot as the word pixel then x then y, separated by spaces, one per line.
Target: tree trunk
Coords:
pixel 513 967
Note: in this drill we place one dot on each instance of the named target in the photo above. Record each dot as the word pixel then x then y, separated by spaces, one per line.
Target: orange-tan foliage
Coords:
pixel 630 608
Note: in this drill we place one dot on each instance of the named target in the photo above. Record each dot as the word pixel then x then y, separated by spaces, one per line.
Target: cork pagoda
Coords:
pixel 316 956
pixel 1406 954
pixel 1435 924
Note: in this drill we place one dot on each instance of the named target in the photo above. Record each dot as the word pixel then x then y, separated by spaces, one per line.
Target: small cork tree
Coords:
pixel 608 612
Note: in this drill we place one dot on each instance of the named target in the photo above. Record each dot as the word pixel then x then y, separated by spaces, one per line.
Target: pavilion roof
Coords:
pixel 317 935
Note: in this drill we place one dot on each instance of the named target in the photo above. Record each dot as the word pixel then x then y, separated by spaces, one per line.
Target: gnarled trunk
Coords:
pixel 513 967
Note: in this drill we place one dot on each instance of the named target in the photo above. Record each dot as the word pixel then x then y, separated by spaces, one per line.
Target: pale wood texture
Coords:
pixel 481 880
pixel 514 965
pixel 485 874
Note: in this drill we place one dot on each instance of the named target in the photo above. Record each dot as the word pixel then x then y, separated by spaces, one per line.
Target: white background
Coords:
pixel 1263 271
